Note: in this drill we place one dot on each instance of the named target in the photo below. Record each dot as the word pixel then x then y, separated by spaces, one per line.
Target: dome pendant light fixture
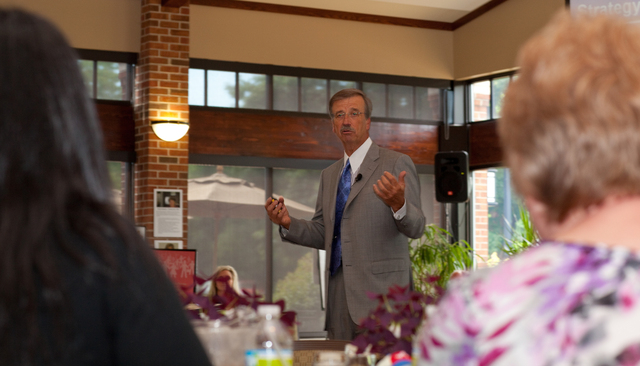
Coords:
pixel 170 130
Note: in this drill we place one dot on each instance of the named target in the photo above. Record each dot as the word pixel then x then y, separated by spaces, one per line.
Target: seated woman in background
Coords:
pixel 225 287
pixel 78 285
pixel 570 130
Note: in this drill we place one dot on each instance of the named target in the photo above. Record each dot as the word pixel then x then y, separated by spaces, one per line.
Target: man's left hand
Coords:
pixel 391 190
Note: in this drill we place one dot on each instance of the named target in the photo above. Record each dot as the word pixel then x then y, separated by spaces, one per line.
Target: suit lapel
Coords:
pixel 369 165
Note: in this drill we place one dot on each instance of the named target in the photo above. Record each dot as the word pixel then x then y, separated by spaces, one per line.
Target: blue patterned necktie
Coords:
pixel 344 187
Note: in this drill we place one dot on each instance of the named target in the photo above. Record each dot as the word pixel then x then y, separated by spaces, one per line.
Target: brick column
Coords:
pixel 480 216
pixel 162 77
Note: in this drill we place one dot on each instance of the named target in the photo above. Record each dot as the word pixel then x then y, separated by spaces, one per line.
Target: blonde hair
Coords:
pixel 570 127
pixel 234 277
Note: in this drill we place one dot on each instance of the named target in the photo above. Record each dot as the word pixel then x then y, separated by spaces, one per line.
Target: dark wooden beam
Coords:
pixel 476 13
pixel 323 13
pixel 231 133
pixel 174 3
pixel 117 125
pixel 484 145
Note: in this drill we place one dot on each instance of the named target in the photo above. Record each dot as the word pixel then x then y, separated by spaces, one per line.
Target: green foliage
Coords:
pixel 297 288
pixel 433 256
pixel 498 224
pixel 115 174
pixel 523 236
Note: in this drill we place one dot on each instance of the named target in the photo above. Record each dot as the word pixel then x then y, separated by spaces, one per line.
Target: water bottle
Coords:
pixel 274 345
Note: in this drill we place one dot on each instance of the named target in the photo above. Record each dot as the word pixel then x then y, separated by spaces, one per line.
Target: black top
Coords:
pixel 133 317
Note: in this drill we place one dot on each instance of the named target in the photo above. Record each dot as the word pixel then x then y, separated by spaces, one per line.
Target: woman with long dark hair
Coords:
pixel 78 285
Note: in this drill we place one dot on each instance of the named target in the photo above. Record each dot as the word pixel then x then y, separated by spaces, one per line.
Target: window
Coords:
pixel 221 89
pixel 314 95
pixel 498 88
pixel 252 91
pixel 118 175
pixel 496 214
pixel 196 87
pixel 285 93
pixel 428 104
pixel 378 95
pixel 486 97
pixel 107 80
pixel 268 87
pixel 401 101
pixel 337 85
pixel 481 101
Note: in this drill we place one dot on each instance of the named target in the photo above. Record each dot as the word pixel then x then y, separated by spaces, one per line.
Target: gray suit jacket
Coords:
pixel 375 252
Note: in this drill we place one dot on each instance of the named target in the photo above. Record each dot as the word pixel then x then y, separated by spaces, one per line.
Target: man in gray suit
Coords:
pixel 367 249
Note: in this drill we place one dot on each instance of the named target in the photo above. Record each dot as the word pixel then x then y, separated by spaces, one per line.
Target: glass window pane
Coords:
pixel 496 214
pixel 86 69
pixel 337 85
pixel 252 91
pixel 285 93
pixel 227 221
pixel 117 173
pixel 427 197
pixel 378 95
pixel 499 87
pixel 296 276
pixel 429 104
pixel 196 87
pixel 400 101
pixel 314 95
pixel 480 102
pixel 221 88
pixel 113 81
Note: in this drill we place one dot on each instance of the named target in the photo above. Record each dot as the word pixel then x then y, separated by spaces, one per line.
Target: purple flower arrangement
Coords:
pixel 391 326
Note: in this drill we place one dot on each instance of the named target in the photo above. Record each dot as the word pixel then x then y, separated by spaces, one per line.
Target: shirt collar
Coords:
pixel 357 157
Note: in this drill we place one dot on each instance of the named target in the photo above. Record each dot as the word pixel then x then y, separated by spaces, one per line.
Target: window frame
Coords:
pixel 328 75
pixel 129 58
pixel 469 96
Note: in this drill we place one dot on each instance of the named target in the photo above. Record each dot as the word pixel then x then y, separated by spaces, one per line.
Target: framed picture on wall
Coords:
pixel 167 244
pixel 180 266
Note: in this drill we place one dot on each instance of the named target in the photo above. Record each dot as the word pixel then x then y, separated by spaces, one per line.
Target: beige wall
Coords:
pixel 490 43
pixel 291 40
pixel 486 45
pixel 109 25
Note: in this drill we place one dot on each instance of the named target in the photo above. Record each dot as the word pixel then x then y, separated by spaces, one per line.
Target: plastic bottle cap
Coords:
pixel 268 309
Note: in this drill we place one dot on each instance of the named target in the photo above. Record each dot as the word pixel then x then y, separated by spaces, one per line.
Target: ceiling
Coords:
pixel 433 10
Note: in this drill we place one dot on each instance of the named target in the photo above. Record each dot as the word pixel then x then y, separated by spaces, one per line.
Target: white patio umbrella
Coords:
pixel 220 196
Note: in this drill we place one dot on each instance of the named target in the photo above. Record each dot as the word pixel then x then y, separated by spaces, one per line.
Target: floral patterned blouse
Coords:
pixel 556 304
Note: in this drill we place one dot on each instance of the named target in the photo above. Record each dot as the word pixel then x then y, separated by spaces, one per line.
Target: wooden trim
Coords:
pixel 111 56
pixel 323 13
pixel 321 345
pixel 476 13
pixel 174 3
pixel 484 145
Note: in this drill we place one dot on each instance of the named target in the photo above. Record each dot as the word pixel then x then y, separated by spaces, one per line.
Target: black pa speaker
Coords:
pixel 452 176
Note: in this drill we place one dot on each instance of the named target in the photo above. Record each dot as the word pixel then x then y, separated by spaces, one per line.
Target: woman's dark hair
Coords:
pixel 53 182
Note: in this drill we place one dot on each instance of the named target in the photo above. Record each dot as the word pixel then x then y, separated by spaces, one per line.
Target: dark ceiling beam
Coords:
pixel 323 13
pixel 343 15
pixel 476 13
pixel 174 3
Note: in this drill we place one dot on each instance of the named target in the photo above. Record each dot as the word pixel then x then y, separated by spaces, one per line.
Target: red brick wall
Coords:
pixel 161 92
pixel 480 217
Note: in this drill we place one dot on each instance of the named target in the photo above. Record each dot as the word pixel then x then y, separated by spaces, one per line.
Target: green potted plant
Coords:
pixel 391 326
pixel 523 235
pixel 435 257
